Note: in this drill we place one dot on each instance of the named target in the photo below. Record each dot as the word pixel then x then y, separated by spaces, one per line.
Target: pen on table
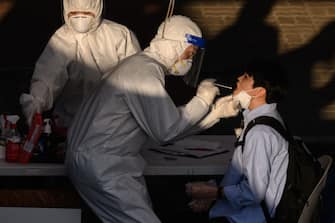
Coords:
pixel 199 149
pixel 223 86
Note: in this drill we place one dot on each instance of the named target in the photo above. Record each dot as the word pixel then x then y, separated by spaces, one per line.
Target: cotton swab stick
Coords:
pixel 223 86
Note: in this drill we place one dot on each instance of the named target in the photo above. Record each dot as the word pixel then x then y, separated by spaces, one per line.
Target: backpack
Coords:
pixel 303 173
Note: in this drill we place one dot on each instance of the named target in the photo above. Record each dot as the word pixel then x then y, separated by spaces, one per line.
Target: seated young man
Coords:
pixel 256 177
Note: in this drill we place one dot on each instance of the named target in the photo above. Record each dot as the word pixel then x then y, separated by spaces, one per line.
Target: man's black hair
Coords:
pixel 271 76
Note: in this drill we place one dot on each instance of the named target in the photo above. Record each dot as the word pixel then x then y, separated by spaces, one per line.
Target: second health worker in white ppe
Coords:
pixel 129 107
pixel 75 59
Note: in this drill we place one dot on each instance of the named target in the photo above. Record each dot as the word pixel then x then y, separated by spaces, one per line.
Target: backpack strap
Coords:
pixel 265 120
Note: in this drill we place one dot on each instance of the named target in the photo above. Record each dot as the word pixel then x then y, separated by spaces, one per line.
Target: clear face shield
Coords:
pixel 192 76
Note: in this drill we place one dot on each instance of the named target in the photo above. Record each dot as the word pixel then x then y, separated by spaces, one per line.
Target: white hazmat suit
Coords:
pixel 73 62
pixel 129 106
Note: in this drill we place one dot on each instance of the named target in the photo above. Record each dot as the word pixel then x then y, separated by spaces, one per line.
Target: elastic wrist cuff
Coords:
pixel 203 100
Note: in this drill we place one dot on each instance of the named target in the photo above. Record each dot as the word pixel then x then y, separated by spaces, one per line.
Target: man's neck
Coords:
pixel 256 102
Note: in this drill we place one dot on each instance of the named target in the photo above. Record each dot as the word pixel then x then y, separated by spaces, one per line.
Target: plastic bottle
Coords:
pixel 13 148
pixel 46 135
pixel 32 138
pixel 43 150
pixel 13 144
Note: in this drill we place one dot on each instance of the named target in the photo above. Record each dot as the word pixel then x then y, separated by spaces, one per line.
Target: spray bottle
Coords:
pixel 32 138
pixel 5 125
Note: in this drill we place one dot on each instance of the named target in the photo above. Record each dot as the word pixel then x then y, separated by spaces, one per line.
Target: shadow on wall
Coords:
pixel 250 39
pixel 305 103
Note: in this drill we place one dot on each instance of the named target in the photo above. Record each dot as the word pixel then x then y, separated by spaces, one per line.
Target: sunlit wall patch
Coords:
pixel 328 113
pixel 297 23
pixel 322 73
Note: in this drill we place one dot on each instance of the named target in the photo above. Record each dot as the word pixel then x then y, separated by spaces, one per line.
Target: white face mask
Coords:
pixel 181 67
pixel 81 23
pixel 243 98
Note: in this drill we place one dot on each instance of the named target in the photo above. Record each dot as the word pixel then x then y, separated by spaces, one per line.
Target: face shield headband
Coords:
pixel 192 77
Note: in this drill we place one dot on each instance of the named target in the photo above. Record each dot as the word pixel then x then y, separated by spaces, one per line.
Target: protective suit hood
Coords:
pixel 93 6
pixel 170 41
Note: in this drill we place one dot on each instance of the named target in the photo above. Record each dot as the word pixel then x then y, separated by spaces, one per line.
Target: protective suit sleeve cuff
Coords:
pixel 204 101
pixel 200 106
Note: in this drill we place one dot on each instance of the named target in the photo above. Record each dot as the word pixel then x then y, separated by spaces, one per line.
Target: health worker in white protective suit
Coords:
pixel 128 107
pixel 75 60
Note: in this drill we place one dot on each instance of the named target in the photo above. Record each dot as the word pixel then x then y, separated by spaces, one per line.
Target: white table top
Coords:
pixel 31 169
pixel 157 163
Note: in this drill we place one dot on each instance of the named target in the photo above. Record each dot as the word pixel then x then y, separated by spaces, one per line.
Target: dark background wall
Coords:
pixel 299 34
